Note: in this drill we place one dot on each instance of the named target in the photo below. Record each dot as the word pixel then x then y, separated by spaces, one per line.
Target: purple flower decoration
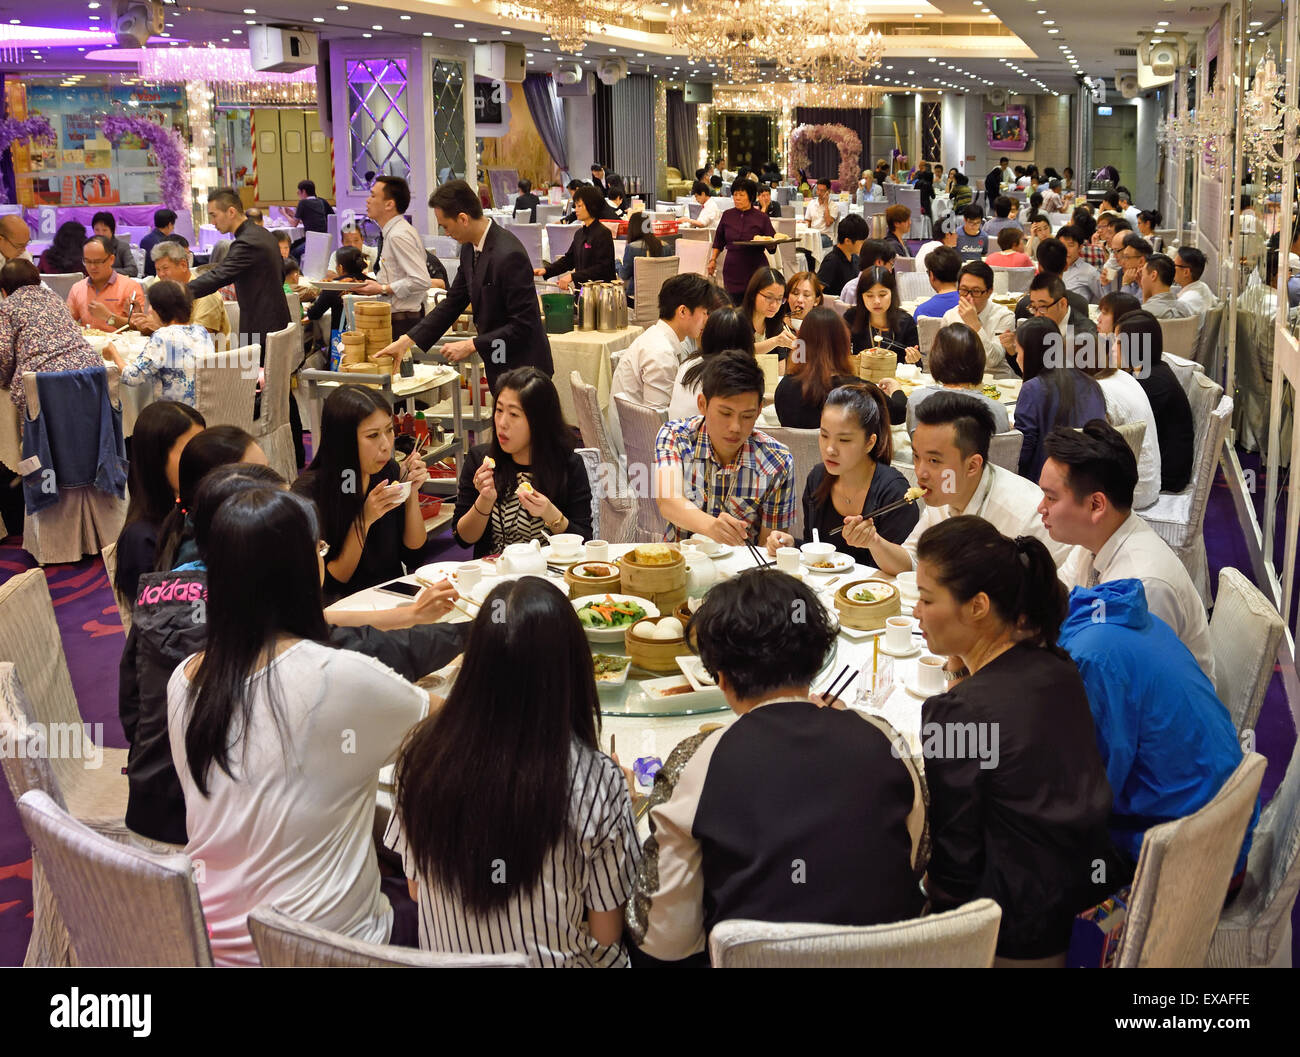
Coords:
pixel 168 149
pixel 12 130
pixel 844 138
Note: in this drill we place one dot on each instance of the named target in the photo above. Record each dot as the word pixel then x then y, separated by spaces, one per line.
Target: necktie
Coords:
pixel 379 251
pixel 1094 577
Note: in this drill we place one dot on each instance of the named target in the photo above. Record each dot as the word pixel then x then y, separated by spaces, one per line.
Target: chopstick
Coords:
pixel 425 582
pixel 831 694
pixel 123 327
pixel 889 508
pixel 759 560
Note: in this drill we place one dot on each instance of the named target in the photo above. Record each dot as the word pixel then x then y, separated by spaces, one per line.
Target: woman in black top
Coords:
pixel 825 363
pixel 161 433
pixel 527 478
pixel 876 321
pixel 764 306
pixel 591 254
pixel 371 528
pixel 63 257
pixel 855 477
pixel 351 264
pixel 1018 804
pixel 1141 347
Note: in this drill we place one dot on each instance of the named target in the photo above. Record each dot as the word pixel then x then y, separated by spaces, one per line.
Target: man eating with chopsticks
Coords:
pixel 950 453
pixel 715 474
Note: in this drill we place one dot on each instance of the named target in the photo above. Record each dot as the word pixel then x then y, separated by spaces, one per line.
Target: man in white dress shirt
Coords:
pixel 1189 266
pixel 950 453
pixel 995 323
pixel 647 369
pixel 402 272
pixel 819 214
pixel 1156 279
pixel 1087 482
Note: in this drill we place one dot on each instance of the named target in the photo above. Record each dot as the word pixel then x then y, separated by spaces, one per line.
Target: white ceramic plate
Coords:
pixel 548 552
pixel 843 563
pixel 613 682
pixel 483 588
pixel 724 550
pixel 912 688
pixel 613 634
pixel 693 668
pixel 916 648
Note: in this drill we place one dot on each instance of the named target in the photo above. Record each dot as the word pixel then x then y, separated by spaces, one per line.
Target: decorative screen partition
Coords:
pixel 448 99
pixel 378 126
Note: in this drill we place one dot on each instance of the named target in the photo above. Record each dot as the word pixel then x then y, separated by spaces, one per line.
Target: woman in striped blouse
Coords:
pixel 537 853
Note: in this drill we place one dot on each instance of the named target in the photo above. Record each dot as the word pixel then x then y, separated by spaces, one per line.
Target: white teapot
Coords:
pixel 701 574
pixel 525 558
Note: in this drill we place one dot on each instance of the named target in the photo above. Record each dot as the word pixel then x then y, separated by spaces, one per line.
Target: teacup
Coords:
pixel 467 575
pixel 929 674
pixel 597 551
pixel 787 559
pixel 705 544
pixel 898 634
pixel 566 544
pixel 906 584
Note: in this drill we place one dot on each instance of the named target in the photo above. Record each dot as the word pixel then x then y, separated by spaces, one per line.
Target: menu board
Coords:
pixel 81 167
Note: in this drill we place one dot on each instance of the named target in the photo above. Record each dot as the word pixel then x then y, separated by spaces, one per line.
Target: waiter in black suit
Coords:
pixel 256 268
pixel 496 277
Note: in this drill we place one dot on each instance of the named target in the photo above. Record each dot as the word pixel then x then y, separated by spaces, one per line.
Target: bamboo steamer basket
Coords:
pixel 654 655
pixel 354 347
pixel 581 586
pixel 867 616
pixel 373 308
pixel 876 365
pixel 363 367
pixel 664 585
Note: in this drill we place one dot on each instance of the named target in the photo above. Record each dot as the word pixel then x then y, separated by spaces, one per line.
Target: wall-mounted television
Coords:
pixel 1008 129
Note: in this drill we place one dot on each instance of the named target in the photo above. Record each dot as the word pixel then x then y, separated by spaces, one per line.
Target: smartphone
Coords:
pixel 400 588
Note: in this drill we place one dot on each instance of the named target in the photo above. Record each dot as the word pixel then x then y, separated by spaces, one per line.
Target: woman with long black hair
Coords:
pixel 278 738
pixel 538 852
pixel 527 479
pixel 213 447
pixel 372 528
pixel 1055 392
pixel 162 431
pixel 877 322
pixel 763 304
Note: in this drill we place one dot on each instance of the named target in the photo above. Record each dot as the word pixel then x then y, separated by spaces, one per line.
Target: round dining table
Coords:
pixel 643 727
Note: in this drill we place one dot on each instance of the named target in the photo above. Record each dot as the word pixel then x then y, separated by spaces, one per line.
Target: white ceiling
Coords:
pixel 1093 30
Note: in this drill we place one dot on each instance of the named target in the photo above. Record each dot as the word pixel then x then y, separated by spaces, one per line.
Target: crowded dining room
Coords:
pixel 378 377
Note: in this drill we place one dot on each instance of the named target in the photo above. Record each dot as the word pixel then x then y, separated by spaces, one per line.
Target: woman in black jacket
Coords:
pixel 169 626
pixel 591 254
pixel 527 480
pixel 1019 799
pixel 877 322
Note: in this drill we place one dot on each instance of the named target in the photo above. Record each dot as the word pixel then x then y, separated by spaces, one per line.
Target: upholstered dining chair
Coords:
pixel 123 906
pixel 271 427
pixel 648 276
pixel 1182 877
pixel 640 427
pixel 1255 931
pixel 964 938
pixel 1004 449
pixel 1245 632
pixel 1180 335
pixel 285 943
pixel 803 445
pixel 62 282
pixel 618 508
pixel 224 393
pixel 109 554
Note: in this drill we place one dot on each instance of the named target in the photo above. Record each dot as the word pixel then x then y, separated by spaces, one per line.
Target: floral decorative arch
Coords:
pixel 14 131
pixel 850 148
pixel 168 148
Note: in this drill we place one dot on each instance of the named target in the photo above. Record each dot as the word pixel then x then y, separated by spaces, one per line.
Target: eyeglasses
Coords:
pixel 94 260
pixel 322 548
pixel 1039 308
pixel 970 291
pixel 1181 267
pixel 770 298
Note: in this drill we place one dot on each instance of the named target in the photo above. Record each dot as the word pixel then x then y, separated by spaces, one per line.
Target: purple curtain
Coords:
pixel 548 115
pixel 683 135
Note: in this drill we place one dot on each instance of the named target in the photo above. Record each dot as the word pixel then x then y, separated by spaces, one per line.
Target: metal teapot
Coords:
pixel 587 302
pixel 611 307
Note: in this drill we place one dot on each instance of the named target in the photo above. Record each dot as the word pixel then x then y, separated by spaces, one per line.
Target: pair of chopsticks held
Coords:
pixel 832 693
pixel 424 581
pixel 888 508
pixel 759 559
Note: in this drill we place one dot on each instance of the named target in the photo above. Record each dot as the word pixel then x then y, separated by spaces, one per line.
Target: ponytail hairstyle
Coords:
pixel 867 404
pixel 968 556
pixel 215 446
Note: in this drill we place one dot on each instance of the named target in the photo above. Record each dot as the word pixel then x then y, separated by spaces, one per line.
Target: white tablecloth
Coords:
pixel 590 353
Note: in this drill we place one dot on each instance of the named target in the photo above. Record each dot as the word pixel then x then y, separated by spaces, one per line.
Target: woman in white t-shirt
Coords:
pixel 516 831
pixel 278 738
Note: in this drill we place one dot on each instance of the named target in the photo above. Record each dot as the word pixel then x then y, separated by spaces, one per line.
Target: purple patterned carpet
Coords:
pixel 93 637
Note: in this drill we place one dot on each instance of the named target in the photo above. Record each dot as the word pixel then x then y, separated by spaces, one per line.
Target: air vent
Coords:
pixel 1127 53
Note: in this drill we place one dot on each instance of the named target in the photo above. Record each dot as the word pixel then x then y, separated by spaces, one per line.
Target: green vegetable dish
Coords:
pixel 607 613
pixel 607 666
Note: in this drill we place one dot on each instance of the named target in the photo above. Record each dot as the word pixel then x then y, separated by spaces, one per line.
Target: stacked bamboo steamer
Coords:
pixel 374 322
pixel 875 365
pixel 663 583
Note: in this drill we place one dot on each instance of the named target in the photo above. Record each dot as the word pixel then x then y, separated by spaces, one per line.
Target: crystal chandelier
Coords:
pixel 827 43
pixel 567 23
pixel 1271 127
pixel 1212 128
pixel 724 32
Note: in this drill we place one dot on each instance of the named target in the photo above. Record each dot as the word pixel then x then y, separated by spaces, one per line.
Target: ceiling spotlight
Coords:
pixel 367 35
pixel 405 18
pixel 318 19
pixel 458 25
pixel 1053 31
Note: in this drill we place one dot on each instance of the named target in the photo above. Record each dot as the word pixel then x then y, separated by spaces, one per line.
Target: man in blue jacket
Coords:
pixel 1167 741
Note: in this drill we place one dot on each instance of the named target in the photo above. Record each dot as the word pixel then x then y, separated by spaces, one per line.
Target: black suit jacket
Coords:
pixel 528 201
pixel 256 268
pixel 1078 309
pixel 505 307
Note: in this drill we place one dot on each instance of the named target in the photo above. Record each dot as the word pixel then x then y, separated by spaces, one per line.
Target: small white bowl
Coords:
pixel 815 552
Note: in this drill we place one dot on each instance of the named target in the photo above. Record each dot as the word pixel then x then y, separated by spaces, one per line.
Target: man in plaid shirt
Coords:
pixel 715 474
